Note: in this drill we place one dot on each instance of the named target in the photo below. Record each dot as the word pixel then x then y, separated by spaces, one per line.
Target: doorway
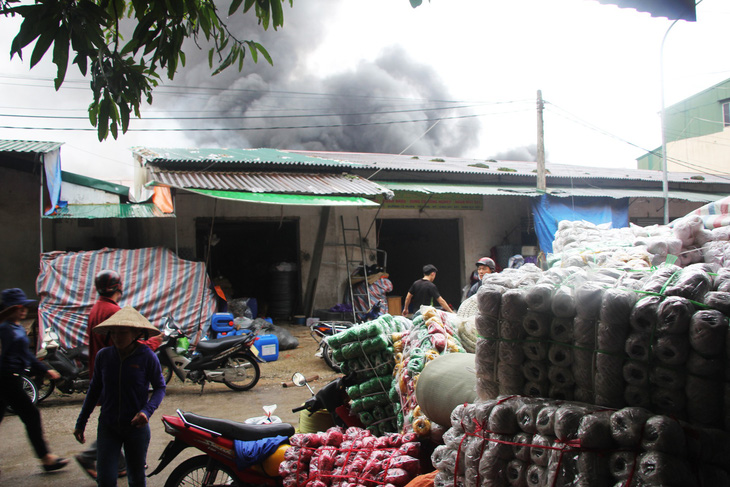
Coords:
pixel 248 254
pixel 412 243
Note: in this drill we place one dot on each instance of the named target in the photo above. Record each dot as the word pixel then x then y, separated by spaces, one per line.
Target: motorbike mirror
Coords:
pixel 300 381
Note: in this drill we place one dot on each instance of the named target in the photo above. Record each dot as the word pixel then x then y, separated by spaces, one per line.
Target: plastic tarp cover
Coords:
pixel 548 211
pixel 716 214
pixel 154 280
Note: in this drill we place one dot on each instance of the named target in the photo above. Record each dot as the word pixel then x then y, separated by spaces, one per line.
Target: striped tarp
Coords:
pixel 716 214
pixel 155 282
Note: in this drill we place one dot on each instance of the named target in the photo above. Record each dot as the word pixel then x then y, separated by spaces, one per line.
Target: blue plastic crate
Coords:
pixel 268 347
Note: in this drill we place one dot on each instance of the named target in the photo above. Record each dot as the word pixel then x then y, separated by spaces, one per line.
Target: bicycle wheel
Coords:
pixel 329 359
pixel 45 387
pixel 241 372
pixel 195 472
pixel 29 388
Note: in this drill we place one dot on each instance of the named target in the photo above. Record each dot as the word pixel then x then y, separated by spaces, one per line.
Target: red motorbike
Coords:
pixel 216 438
pixel 219 440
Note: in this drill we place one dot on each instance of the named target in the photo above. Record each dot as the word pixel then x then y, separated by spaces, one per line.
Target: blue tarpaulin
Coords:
pixel 548 211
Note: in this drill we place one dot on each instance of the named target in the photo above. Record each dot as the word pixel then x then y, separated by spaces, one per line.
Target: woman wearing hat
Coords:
pixel 120 383
pixel 15 358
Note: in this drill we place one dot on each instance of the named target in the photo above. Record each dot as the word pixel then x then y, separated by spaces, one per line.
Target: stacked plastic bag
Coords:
pixel 350 458
pixel 366 350
pixel 527 442
pixel 687 240
pixel 431 336
pixel 656 339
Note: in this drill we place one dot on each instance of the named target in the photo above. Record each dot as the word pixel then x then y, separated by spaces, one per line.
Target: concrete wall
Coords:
pixel 706 153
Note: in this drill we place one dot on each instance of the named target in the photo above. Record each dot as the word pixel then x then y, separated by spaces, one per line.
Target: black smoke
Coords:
pixel 334 113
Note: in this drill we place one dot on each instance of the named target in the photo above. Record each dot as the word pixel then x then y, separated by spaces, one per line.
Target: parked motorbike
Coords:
pixel 320 330
pixel 232 360
pixel 72 364
pixel 216 438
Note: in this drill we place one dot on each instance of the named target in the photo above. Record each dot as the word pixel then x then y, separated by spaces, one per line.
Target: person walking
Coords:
pixel 108 285
pixel 485 266
pixel 122 377
pixel 424 291
pixel 15 358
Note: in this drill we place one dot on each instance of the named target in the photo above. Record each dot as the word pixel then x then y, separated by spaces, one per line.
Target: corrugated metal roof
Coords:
pixel 143 210
pixel 40 147
pixel 511 190
pixel 228 159
pixel 286 199
pixel 458 165
pixel 257 182
pixel 73 178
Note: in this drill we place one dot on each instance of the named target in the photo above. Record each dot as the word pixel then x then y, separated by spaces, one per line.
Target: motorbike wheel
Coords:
pixel 193 472
pixel 241 372
pixel 166 373
pixel 45 387
pixel 30 388
pixel 329 359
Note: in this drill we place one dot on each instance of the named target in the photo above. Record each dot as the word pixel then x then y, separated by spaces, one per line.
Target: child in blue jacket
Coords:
pixel 120 384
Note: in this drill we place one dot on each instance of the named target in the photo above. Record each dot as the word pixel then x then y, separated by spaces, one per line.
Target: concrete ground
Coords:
pixel 19 467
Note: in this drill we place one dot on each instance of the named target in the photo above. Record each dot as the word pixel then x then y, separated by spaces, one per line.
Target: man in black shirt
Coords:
pixel 424 292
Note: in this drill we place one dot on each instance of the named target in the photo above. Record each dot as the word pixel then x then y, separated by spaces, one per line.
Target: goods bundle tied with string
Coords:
pixel 655 339
pixel 350 458
pixel 366 350
pixel 529 442
pixel 432 335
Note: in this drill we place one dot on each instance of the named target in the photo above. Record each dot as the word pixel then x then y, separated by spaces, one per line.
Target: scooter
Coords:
pixel 219 440
pixel 72 364
pixel 320 330
pixel 232 360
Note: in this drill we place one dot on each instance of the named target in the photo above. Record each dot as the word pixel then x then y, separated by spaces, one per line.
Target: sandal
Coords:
pixel 57 464
pixel 88 466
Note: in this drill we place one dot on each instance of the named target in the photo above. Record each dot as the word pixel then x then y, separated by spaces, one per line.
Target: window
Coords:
pixel 726 113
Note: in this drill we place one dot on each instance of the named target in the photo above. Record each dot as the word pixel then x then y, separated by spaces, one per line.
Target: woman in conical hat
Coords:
pixel 120 383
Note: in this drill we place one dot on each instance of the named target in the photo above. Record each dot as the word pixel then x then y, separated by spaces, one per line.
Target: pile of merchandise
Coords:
pixel 431 336
pixel 582 243
pixel 350 458
pixel 654 338
pixel 529 442
pixel 366 352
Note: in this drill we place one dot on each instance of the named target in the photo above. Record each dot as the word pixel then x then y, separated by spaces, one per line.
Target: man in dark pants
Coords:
pixel 424 292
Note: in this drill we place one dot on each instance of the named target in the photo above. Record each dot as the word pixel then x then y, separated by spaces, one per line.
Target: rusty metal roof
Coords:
pixel 267 182
pixel 38 146
pixel 231 159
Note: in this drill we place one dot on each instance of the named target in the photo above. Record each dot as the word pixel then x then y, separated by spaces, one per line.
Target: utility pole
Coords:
pixel 541 183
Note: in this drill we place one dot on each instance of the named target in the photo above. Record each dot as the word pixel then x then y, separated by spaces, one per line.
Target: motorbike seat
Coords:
pixel 240 431
pixel 218 344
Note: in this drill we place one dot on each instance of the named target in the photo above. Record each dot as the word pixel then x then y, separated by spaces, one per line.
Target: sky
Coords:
pixel 449 78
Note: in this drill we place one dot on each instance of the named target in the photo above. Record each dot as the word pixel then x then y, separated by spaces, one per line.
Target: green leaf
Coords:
pixel 210 57
pixel 234 6
pixel 416 3
pixel 277 14
pixel 264 53
pixel 247 6
pixel 60 56
pixel 41 46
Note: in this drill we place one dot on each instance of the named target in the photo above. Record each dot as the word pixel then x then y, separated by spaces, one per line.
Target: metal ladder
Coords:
pixel 352 264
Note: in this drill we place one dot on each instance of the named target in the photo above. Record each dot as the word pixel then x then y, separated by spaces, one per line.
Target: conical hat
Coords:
pixel 128 317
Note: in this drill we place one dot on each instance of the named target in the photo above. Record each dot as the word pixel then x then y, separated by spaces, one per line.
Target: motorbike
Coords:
pixel 217 439
pixel 72 364
pixel 320 330
pixel 232 360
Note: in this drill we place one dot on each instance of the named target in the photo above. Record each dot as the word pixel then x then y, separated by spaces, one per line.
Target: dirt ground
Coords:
pixel 19 467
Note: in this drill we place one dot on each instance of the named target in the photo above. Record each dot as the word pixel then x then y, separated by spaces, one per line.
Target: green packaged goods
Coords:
pixel 366 418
